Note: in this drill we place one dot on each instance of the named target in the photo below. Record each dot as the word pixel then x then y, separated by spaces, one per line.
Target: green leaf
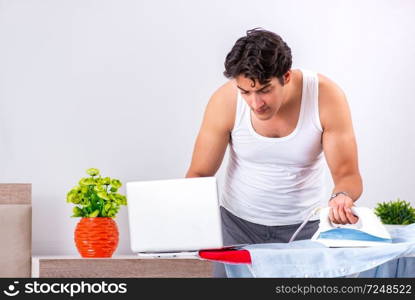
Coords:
pixel 94 214
pixel 92 172
pixel 106 181
pixel 103 195
pixel 85 211
pixel 86 181
pixel 99 188
pixel 124 200
pixel 77 212
pixel 107 206
pixel 115 183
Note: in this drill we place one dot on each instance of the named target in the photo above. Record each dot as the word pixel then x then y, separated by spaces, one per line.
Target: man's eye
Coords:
pixel 264 92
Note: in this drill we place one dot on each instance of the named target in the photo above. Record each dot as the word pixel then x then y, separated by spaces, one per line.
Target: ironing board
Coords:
pixel 239 260
pixel 400 267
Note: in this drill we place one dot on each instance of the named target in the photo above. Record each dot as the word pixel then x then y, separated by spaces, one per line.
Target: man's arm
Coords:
pixel 340 149
pixel 213 137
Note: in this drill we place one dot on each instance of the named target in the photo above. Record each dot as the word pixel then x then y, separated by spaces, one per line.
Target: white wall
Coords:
pixel 122 85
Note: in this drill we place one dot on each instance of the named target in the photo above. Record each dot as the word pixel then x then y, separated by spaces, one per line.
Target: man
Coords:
pixel 278 122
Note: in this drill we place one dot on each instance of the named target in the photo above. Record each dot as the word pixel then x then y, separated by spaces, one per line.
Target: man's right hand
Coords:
pixel 341 210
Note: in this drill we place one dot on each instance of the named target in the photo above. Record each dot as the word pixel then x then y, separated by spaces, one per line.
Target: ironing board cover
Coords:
pixel 307 258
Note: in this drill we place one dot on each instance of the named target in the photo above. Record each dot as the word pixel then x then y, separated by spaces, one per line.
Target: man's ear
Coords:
pixel 287 77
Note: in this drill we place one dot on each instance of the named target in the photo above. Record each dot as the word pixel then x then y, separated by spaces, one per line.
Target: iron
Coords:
pixel 367 232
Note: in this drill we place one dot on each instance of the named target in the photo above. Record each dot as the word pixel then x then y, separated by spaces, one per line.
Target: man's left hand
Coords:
pixel 340 210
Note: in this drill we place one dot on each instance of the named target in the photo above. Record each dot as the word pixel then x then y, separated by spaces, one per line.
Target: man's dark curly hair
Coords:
pixel 259 55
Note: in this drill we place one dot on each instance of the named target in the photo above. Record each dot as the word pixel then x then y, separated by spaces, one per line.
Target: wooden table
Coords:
pixel 121 266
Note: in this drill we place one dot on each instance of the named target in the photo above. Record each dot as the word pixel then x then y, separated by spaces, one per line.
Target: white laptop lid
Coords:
pixel 174 215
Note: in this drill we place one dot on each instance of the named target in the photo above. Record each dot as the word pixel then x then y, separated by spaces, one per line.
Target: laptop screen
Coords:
pixel 174 215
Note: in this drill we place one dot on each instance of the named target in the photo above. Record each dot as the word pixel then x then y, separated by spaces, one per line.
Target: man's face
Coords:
pixel 264 100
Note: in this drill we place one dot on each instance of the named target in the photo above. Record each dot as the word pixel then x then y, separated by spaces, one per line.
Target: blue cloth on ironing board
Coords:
pixel 307 258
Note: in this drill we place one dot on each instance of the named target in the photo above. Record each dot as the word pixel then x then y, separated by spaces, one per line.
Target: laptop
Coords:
pixel 174 218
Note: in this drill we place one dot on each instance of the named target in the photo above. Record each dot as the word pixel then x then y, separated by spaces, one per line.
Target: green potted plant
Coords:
pixel 396 213
pixel 97 202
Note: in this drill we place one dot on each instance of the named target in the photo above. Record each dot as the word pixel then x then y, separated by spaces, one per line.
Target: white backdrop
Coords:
pixel 122 86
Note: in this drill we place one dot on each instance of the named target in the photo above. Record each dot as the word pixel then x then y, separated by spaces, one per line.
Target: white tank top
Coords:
pixel 276 181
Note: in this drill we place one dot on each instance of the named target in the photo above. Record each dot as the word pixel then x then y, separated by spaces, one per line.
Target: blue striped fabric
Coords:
pixel 351 234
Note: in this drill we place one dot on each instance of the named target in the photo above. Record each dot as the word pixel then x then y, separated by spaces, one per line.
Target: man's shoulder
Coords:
pixel 224 98
pixel 227 92
pixel 330 92
pixel 222 105
pixel 327 85
pixel 332 99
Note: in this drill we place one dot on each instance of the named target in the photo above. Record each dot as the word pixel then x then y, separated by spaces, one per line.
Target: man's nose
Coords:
pixel 256 102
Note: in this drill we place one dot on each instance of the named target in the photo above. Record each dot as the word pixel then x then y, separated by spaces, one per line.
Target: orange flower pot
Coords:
pixel 96 237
